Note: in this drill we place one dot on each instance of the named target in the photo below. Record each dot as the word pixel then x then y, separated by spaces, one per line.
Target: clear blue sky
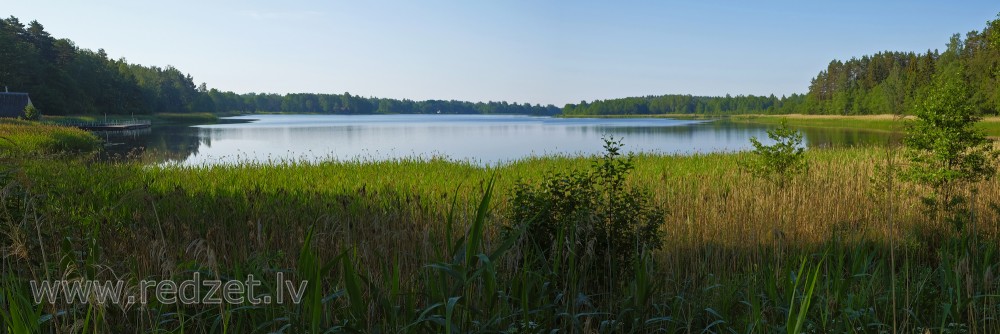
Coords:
pixel 520 50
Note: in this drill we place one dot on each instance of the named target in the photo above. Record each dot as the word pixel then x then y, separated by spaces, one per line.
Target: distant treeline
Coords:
pixel 65 79
pixel 884 83
pixel 353 104
pixel 684 104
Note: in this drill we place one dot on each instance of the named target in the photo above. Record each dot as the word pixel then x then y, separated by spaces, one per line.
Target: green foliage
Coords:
pixel 197 117
pixel 31 113
pixel 682 104
pixel 807 281
pixel 65 79
pixel 354 104
pixel 17 312
pixel 778 162
pixel 20 137
pixel 883 83
pixel 403 273
pixel 944 148
pixel 589 220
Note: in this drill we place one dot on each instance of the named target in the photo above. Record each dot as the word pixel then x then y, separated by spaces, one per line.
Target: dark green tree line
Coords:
pixel 892 82
pixel 354 104
pixel 684 104
pixel 884 83
pixel 65 79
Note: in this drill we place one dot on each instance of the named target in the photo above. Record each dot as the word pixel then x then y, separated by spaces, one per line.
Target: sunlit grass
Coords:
pixel 888 123
pixel 875 122
pixel 18 137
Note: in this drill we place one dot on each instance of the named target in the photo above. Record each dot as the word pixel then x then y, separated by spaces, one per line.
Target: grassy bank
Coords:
pixel 383 255
pixel 19 137
pixel 674 116
pixel 886 123
pixel 889 123
pixel 874 122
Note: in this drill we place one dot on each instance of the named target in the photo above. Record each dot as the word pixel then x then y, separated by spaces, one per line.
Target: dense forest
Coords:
pixel 65 79
pixel 884 83
pixel 685 104
pixel 353 104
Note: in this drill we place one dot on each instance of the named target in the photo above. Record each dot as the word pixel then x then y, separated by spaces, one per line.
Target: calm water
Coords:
pixel 478 138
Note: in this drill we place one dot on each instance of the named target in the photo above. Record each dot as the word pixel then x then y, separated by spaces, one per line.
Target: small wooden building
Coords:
pixel 13 104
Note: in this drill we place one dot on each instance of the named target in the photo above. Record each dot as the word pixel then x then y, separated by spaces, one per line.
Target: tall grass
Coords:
pixel 202 117
pixel 887 123
pixel 19 137
pixel 876 123
pixel 416 246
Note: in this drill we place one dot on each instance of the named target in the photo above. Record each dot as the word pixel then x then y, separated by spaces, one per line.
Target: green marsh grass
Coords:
pixel 200 117
pixel 19 137
pixel 886 123
pixel 414 246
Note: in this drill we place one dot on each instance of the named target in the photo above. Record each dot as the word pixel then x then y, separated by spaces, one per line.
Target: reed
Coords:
pixel 415 245
pixel 19 137
pixel 887 123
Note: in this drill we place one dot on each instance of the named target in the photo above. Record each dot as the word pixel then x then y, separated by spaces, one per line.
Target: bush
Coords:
pixel 778 162
pixel 945 150
pixel 32 113
pixel 591 220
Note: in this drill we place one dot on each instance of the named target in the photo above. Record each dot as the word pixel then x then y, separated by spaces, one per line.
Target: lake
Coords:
pixel 481 139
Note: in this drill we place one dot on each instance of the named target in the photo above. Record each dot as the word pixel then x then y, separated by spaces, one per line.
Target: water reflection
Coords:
pixel 478 138
pixel 159 143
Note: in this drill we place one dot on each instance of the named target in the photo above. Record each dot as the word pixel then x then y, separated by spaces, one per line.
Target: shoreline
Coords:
pixel 880 123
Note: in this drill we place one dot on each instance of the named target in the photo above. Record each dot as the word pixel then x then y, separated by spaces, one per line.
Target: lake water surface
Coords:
pixel 482 139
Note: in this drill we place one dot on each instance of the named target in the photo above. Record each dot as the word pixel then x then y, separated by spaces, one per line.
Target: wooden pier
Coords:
pixel 113 126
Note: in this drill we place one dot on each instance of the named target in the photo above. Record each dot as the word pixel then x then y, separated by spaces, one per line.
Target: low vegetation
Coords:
pixel 22 137
pixel 888 123
pixel 420 246
pixel 31 113
pixel 780 161
pixel 202 117
pixel 588 225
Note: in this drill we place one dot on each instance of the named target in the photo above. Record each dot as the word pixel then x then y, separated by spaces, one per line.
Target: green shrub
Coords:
pixel 946 152
pixel 31 113
pixel 590 220
pixel 778 162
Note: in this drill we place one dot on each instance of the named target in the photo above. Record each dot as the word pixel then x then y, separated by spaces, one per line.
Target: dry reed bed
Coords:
pixel 395 210
pixel 165 221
